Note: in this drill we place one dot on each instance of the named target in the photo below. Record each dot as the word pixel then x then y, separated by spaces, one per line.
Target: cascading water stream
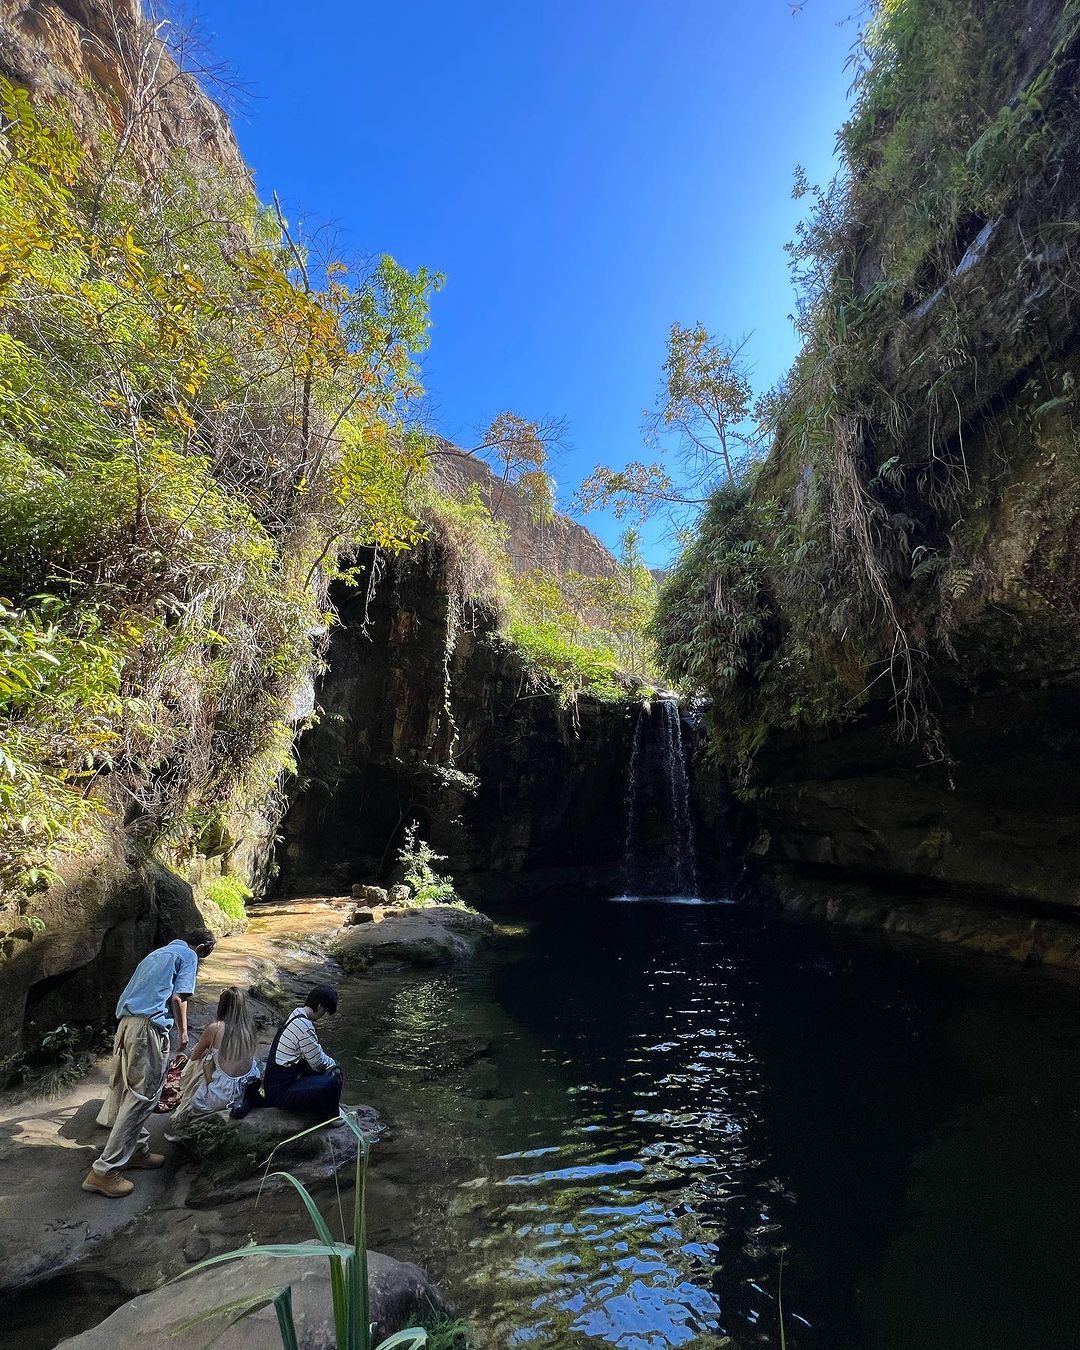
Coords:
pixel 632 770
pixel 659 853
pixel 685 864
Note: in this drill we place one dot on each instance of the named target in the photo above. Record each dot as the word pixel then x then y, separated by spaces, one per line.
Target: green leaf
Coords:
pixel 337 1277
pixel 278 1250
pixel 413 1337
pixel 235 1311
pixel 286 1325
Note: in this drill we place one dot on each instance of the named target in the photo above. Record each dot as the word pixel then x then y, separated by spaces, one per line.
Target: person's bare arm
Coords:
pixel 179 1007
pixel 206 1041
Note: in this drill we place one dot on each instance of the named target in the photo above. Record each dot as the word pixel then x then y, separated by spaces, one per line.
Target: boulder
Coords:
pixel 235 1156
pixel 170 1318
pixel 370 895
pixel 364 914
pixel 436 936
pixel 400 895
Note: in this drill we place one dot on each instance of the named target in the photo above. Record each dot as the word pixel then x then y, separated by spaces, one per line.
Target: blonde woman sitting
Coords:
pixel 222 1064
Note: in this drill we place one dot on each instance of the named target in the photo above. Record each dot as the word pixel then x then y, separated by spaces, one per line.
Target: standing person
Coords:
pixel 157 993
pixel 222 1063
pixel 300 1075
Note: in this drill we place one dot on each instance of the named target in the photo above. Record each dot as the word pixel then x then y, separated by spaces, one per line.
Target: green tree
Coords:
pixel 703 417
pixel 519 450
pixel 198 419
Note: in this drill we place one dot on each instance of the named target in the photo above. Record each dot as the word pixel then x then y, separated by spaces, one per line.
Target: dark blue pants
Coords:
pixel 317 1095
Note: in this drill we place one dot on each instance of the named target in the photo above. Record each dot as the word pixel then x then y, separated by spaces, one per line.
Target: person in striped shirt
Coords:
pixel 300 1076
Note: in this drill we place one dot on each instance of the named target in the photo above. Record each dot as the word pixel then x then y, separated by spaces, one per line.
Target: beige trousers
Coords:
pixel 139 1061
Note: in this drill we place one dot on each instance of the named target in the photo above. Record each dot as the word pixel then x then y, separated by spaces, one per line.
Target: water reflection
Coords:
pixel 613 1131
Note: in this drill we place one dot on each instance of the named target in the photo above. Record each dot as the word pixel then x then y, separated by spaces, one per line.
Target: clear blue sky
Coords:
pixel 585 172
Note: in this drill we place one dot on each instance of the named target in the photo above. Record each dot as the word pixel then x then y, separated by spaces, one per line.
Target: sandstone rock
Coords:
pixel 370 895
pixel 364 914
pixel 435 936
pixel 47 1223
pixel 81 54
pixel 109 909
pixel 400 895
pixel 401 1295
pixel 233 1155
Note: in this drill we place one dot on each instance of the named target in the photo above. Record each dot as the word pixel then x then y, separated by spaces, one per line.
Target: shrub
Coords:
pixel 427 886
pixel 230 896
pixel 562 667
pixel 574 634
pixel 848 569
pixel 196 422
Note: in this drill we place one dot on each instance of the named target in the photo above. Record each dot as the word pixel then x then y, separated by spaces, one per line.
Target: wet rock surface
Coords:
pixel 551 779
pixel 983 852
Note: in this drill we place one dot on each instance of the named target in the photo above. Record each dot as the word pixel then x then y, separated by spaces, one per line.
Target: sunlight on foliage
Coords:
pixel 198 419
pixel 575 634
pixel 930 400
pixel 417 859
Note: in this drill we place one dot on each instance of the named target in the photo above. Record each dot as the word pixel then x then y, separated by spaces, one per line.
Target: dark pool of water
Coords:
pixel 651 1124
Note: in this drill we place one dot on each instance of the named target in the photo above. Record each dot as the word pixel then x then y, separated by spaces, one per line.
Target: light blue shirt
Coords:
pixel 168 970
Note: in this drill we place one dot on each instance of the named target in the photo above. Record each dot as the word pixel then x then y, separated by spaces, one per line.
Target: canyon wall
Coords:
pixel 405 725
pixel 914 690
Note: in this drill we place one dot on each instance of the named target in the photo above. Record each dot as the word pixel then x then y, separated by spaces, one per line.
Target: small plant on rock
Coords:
pixel 230 896
pixel 428 886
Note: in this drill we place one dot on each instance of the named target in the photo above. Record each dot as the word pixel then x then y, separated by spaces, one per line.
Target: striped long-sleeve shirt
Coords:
pixel 299 1041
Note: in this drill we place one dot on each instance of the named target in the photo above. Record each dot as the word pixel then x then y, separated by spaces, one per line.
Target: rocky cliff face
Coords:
pixel 560 544
pixel 397 708
pixel 108 67
pixel 956 475
pixel 861 829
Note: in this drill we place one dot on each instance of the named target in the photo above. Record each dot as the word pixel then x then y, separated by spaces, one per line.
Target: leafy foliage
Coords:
pixel 705 403
pixel 519 450
pixel 933 275
pixel 230 895
pixel 198 417
pixel 417 858
pixel 575 634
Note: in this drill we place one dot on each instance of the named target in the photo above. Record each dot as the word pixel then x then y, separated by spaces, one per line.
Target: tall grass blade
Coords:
pixel 281 1250
pixel 360 1234
pixel 337 1276
pixel 348 1262
pixel 235 1311
pixel 286 1325
pixel 300 1134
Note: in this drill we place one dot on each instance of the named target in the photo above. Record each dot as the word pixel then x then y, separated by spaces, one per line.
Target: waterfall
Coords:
pixel 632 773
pixel 659 854
pixel 685 864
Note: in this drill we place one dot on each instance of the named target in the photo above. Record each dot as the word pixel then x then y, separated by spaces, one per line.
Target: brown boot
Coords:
pixel 111 1184
pixel 144 1159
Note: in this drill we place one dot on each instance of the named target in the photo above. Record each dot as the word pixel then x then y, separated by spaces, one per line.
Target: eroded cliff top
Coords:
pixel 117 75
